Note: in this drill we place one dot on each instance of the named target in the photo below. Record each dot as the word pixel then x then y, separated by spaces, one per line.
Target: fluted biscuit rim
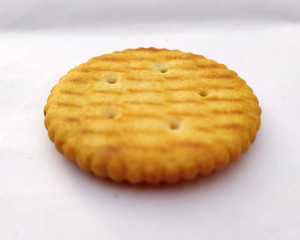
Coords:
pixel 112 165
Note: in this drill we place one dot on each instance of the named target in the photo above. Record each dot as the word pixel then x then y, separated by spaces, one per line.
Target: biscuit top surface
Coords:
pixel 151 115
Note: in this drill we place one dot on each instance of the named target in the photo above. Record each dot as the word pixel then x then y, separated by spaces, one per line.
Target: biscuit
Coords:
pixel 151 115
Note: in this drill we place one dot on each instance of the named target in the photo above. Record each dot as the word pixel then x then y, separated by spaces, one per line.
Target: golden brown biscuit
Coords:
pixel 151 115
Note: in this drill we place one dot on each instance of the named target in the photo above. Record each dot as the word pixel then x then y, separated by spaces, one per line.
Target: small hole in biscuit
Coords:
pixel 203 93
pixel 111 79
pixel 163 70
pixel 110 113
pixel 174 124
pixel 161 67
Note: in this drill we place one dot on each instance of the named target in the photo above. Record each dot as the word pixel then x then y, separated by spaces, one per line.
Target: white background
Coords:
pixel 43 196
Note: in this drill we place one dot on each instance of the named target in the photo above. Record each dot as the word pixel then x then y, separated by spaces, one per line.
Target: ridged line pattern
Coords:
pixel 151 115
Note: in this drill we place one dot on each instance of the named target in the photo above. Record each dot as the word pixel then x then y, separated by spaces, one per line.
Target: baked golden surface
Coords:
pixel 151 115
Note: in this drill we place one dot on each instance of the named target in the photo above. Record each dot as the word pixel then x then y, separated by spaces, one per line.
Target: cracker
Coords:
pixel 151 115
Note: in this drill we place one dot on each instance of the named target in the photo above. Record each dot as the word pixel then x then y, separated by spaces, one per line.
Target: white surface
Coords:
pixel 32 14
pixel 43 196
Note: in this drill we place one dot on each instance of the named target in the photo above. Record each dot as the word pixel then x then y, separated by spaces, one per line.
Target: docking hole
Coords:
pixel 174 124
pixel 202 92
pixel 110 113
pixel 111 79
pixel 163 68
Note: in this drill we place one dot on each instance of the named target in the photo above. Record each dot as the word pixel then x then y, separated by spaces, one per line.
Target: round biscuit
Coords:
pixel 152 115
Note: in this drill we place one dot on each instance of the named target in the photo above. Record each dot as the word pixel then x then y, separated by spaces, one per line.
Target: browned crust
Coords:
pixel 152 115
